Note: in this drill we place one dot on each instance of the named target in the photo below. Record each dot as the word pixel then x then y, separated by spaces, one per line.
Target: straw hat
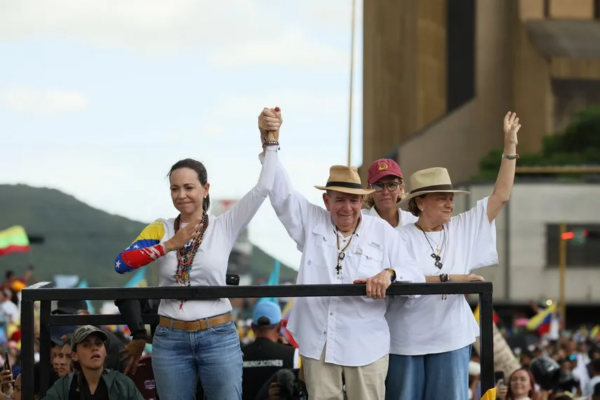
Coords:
pixel 346 180
pixel 430 180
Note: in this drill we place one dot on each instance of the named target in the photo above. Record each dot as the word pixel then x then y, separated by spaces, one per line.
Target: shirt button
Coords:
pixel 330 313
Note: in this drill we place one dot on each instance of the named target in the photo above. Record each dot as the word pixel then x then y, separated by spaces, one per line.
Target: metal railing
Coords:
pixel 46 295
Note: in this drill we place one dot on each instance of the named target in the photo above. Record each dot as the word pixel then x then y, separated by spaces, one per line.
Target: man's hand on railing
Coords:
pixel 133 351
pixel 378 284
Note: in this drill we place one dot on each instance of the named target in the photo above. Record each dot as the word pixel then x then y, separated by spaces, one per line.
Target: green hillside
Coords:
pixel 81 240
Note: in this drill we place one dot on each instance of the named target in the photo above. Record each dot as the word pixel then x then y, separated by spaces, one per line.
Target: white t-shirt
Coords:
pixel 428 324
pixel 405 216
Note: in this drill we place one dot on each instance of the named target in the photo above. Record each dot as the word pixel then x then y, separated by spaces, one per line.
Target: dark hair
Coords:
pixel 264 324
pixel 412 205
pixel 200 170
pixel 10 274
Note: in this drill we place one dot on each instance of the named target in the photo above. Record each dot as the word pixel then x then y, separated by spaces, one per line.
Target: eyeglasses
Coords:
pixel 391 186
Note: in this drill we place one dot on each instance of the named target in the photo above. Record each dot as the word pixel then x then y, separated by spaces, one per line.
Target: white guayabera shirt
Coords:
pixel 354 328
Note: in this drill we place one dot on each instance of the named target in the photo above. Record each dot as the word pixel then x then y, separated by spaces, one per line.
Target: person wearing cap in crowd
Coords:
pixel 341 337
pixel 91 380
pixel 114 345
pixel 385 177
pixel 266 355
pixel 431 336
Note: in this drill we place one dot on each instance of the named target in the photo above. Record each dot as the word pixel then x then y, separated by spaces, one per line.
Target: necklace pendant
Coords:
pixel 342 255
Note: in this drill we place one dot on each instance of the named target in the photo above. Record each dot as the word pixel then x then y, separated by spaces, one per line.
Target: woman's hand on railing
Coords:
pixel 467 278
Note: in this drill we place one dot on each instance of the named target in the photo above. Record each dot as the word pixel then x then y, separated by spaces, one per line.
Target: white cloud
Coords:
pixel 293 48
pixel 239 32
pixel 46 102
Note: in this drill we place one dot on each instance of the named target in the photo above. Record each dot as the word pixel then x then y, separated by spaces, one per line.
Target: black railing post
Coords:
pixel 45 346
pixel 27 348
pixel 487 340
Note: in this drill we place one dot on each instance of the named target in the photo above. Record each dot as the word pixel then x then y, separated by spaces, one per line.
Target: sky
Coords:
pixel 99 98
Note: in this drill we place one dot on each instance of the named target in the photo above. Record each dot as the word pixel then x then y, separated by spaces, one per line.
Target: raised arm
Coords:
pixel 292 209
pixel 240 215
pixel 506 175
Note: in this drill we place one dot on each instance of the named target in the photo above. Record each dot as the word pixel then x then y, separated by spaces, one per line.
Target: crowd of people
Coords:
pixel 354 348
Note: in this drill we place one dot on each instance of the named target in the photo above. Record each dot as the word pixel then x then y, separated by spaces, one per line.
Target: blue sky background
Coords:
pixel 99 98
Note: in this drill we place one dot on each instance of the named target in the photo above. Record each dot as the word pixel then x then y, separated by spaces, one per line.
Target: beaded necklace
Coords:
pixel 342 252
pixel 186 254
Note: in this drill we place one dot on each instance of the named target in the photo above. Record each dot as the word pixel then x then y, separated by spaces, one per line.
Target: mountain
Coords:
pixel 79 239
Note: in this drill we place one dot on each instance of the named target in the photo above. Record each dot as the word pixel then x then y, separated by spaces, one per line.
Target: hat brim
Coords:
pixel 404 203
pixel 361 192
pixel 376 177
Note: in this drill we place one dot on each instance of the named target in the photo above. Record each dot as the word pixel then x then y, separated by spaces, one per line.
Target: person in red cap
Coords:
pixel 385 177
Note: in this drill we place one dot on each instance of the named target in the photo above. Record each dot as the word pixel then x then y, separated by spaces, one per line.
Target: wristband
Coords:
pixel 393 274
pixel 510 156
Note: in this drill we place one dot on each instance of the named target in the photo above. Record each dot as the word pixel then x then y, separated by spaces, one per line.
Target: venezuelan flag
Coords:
pixel 285 316
pixel 495 316
pixel 595 332
pixel 150 236
pixel 541 321
pixel 14 240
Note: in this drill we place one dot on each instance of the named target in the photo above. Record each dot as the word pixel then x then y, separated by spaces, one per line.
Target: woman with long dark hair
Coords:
pixel 197 339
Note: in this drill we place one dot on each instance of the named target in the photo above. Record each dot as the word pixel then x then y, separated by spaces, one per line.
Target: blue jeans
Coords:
pixel 429 377
pixel 214 355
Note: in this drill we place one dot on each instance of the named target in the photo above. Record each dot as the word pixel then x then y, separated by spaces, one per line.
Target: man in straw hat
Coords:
pixel 343 340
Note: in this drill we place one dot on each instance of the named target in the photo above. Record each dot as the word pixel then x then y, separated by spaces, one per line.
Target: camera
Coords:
pixel 289 386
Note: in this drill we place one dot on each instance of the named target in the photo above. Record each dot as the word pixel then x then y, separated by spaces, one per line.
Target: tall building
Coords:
pixel 439 76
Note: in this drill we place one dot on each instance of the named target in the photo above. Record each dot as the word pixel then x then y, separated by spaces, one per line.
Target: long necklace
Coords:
pixel 342 252
pixel 435 254
pixel 186 254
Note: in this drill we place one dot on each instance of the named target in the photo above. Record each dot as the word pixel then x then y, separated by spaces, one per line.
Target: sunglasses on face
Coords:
pixel 391 186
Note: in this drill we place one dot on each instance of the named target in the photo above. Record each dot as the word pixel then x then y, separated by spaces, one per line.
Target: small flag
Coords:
pixel 138 279
pixel 273 280
pixel 83 284
pixel 13 240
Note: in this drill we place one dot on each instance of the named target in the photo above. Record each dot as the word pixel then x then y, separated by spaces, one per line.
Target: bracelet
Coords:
pixel 444 278
pixel 271 143
pixel 510 156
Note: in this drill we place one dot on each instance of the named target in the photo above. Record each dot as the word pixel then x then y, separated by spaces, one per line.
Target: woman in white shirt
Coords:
pixel 385 177
pixel 197 339
pixel 431 336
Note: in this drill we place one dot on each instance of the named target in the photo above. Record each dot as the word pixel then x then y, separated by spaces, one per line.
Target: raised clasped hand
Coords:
pixel 269 123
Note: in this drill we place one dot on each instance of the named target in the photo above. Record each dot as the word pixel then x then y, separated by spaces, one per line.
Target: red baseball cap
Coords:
pixel 382 168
